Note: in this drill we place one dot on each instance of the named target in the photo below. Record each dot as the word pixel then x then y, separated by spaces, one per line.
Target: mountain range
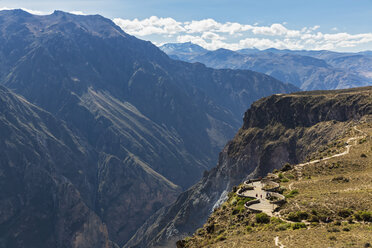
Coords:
pixel 100 130
pixel 308 70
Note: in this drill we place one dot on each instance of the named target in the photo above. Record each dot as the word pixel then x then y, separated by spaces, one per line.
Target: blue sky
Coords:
pixel 342 25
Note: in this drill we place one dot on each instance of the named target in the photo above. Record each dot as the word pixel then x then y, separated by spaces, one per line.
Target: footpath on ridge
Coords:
pixel 264 191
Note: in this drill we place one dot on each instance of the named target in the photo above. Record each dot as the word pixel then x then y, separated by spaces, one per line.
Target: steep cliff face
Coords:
pixel 276 130
pixel 46 181
pixel 153 124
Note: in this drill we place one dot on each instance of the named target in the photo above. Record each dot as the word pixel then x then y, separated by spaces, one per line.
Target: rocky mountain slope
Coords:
pixel 327 202
pixel 309 70
pixel 277 130
pixel 153 124
pixel 46 181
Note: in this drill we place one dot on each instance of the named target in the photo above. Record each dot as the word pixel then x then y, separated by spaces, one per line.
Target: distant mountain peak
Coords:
pixel 187 47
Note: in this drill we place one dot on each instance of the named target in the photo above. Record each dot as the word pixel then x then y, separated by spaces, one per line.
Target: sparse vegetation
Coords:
pixel 292 193
pixel 298 216
pixel 363 216
pixel 262 218
pixel 286 167
pixel 345 213
pixel 341 179
pixel 300 225
pixel 331 208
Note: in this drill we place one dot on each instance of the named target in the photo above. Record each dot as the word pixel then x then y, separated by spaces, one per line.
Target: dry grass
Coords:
pixel 336 184
pixel 358 236
pixel 325 189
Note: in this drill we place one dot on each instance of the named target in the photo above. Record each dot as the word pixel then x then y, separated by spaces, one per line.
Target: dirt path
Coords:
pixel 299 167
pixel 277 242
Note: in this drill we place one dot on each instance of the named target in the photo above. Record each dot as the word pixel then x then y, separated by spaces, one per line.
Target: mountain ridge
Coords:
pixel 153 124
pixel 309 70
pixel 264 143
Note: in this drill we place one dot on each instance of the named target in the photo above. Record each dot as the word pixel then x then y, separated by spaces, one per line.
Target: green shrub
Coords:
pixel 303 215
pixel 363 216
pixel 235 211
pixel 363 155
pixel 292 216
pixel 276 220
pixel 362 141
pixel 286 167
pixel 298 225
pixel 262 218
pixel 221 237
pixel 210 228
pixel 344 213
pixel 290 176
pixel 200 231
pixel 298 216
pixel 292 193
pixel 283 227
pixel 340 179
pixel 313 218
pixel 346 229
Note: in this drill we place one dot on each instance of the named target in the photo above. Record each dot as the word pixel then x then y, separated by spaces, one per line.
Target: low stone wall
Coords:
pixel 273 177
pixel 247 204
pixel 272 186
pixel 281 198
pixel 252 181
pixel 241 190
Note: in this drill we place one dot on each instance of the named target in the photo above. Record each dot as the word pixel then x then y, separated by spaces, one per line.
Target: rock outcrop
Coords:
pixel 278 129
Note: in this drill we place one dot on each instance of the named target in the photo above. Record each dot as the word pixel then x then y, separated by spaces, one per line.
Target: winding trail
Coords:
pixel 258 192
pixel 298 168
pixel 277 242
pixel 256 188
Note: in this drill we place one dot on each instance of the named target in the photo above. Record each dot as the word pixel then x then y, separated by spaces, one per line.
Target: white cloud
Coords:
pixel 152 25
pixel 202 26
pixel 212 34
pixel 38 12
pixel 34 12
pixel 78 12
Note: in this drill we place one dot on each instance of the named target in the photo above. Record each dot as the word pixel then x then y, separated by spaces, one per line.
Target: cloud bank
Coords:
pixel 212 35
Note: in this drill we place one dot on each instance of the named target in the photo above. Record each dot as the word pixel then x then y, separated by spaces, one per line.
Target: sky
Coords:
pixel 342 25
